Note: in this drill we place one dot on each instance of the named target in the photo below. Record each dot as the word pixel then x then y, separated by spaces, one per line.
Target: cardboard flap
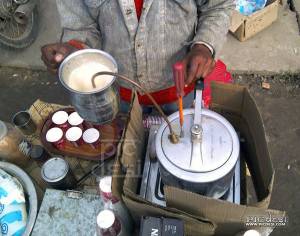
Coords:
pixel 229 96
pixel 130 150
pixel 192 226
pixel 258 157
pixel 236 104
pixel 264 203
pixel 133 147
pixel 134 136
pixel 230 218
pixel 237 20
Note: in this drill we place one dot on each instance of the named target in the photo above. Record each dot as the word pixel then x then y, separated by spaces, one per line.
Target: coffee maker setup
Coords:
pixel 195 149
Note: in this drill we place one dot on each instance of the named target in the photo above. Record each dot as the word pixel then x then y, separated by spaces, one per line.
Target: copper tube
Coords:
pixel 173 137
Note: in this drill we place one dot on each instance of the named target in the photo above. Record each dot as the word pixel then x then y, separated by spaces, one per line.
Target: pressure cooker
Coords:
pixel 204 159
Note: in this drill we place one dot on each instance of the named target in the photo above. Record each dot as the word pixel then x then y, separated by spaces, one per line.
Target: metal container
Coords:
pixel 13 146
pixel 100 106
pixel 210 171
pixel 29 191
pixel 23 121
pixel 57 173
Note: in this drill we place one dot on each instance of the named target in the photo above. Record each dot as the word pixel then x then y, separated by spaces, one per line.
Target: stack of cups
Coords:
pixel 55 136
pixel 60 120
pixel 75 120
pixel 108 224
pixel 73 129
pixel 114 204
pixel 74 136
pixel 91 136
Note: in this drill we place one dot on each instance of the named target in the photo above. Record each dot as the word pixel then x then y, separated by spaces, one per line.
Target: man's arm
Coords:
pixel 212 28
pixel 79 22
pixel 213 22
pixel 79 30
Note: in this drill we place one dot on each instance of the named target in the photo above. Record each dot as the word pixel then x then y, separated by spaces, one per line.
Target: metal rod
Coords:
pixel 173 137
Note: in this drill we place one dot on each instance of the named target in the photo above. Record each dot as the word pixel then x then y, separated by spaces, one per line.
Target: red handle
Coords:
pixel 178 75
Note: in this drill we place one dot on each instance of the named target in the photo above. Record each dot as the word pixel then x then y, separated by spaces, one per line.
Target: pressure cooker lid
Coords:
pixel 215 148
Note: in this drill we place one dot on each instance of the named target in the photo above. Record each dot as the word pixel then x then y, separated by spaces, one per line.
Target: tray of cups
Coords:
pixel 66 133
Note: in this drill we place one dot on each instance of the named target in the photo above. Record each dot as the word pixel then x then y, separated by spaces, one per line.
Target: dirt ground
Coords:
pixel 279 106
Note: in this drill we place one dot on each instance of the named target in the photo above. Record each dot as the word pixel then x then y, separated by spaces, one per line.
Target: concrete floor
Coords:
pixel 275 49
pixel 49 32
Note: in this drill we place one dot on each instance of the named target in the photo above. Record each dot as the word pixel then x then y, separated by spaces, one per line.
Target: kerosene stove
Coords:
pixel 204 160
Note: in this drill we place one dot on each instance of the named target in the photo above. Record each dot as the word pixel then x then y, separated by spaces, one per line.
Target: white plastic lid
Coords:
pixel 105 184
pixel 73 134
pixel 91 135
pixel 3 130
pixel 55 169
pixel 75 119
pixel 105 219
pixel 252 232
pixel 54 134
pixel 60 117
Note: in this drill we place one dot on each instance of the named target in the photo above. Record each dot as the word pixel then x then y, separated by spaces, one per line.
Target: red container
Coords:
pixel 56 137
pixel 74 136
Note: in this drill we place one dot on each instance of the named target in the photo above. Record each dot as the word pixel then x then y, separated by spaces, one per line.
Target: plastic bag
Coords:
pixel 13 215
pixel 247 7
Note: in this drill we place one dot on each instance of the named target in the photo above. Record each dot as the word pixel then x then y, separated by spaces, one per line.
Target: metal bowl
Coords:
pixel 29 190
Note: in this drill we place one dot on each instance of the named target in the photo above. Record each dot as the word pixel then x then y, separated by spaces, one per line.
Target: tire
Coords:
pixel 27 38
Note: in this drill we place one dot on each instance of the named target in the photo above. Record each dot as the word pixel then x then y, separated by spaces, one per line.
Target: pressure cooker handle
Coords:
pixel 199 84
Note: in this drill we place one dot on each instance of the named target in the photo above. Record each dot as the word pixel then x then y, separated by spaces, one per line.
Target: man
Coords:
pixel 146 37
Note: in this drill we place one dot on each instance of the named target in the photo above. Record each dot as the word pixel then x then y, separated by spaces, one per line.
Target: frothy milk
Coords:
pixel 80 78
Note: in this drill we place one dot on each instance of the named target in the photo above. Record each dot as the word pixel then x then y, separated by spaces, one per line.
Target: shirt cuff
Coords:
pixel 77 44
pixel 211 49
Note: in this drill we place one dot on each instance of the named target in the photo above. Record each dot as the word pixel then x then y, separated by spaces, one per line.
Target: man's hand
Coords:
pixel 198 63
pixel 54 54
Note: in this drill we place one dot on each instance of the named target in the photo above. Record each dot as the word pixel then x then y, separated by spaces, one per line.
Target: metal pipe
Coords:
pixel 174 138
pixel 23 13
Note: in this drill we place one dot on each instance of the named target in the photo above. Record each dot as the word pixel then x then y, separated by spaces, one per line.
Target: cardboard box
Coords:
pixel 244 27
pixel 202 215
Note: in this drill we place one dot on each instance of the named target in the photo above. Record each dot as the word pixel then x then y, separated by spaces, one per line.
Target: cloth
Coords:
pixel 161 97
pixel 168 108
pixel 167 96
pixel 146 49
